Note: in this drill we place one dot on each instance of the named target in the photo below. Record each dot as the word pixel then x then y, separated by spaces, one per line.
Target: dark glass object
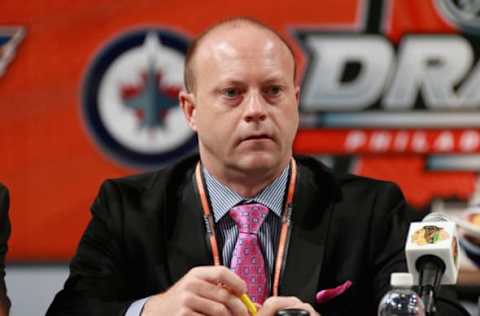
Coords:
pixel 292 312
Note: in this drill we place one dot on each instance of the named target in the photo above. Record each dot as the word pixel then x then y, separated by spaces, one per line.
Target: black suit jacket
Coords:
pixel 147 231
pixel 4 235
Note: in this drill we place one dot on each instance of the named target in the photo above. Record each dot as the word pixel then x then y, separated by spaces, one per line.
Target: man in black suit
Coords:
pixel 4 235
pixel 150 250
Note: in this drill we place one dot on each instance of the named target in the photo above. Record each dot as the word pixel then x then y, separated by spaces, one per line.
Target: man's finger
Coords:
pixel 221 275
pixel 206 307
pixel 222 295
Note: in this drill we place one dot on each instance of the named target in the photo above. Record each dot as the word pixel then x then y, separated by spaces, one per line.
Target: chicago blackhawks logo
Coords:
pixel 429 234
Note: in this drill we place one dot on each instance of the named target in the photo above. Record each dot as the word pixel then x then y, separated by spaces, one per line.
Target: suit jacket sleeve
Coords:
pixel 97 282
pixel 391 215
pixel 4 235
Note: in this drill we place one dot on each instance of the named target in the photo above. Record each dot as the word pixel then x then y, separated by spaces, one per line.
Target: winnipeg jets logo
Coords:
pixel 152 99
pixel 131 99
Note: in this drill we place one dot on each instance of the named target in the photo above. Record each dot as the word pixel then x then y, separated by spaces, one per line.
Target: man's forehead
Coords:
pixel 232 34
pixel 240 41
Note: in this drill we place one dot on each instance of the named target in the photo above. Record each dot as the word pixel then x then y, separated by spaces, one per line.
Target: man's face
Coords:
pixel 245 102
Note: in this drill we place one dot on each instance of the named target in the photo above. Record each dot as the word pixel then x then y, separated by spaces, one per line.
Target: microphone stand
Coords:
pixel 431 270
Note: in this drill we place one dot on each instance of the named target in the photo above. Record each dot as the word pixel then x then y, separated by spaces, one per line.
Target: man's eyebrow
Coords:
pixel 229 81
pixel 275 79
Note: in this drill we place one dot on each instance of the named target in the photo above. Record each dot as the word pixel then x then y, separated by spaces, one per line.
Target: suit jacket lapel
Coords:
pixel 311 219
pixel 186 246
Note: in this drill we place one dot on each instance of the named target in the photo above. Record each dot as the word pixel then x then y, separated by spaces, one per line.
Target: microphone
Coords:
pixel 432 256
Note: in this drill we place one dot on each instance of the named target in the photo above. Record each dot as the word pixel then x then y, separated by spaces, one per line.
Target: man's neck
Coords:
pixel 247 184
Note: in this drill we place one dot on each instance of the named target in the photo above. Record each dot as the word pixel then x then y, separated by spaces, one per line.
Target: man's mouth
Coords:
pixel 257 137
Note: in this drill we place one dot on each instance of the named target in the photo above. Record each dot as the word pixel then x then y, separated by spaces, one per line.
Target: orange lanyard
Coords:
pixel 284 232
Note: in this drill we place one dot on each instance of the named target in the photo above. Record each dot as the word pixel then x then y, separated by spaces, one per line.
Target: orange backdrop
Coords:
pixel 48 159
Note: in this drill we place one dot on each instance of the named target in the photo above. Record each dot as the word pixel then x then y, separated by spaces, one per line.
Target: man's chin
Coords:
pixel 259 162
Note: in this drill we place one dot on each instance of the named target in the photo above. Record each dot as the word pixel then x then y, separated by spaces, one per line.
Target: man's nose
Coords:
pixel 255 107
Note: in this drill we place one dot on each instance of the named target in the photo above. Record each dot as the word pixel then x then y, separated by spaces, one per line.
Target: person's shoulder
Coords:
pixel 352 193
pixel 342 180
pixel 157 179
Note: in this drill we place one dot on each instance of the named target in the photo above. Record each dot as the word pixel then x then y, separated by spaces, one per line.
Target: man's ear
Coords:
pixel 297 94
pixel 188 106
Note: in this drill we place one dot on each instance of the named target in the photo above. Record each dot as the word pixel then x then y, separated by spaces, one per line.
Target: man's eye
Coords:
pixel 231 92
pixel 273 90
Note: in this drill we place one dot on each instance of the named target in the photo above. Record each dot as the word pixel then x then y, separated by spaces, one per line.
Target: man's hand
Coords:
pixel 212 290
pixel 276 303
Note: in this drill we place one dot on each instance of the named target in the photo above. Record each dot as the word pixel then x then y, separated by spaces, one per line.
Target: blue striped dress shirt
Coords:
pixel 222 199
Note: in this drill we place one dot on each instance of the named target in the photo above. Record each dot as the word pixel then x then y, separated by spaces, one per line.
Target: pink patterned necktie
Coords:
pixel 247 259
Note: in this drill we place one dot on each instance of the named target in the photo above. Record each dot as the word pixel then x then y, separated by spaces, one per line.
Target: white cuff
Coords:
pixel 135 309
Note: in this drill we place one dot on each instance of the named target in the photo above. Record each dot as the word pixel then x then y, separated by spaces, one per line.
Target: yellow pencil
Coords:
pixel 252 309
